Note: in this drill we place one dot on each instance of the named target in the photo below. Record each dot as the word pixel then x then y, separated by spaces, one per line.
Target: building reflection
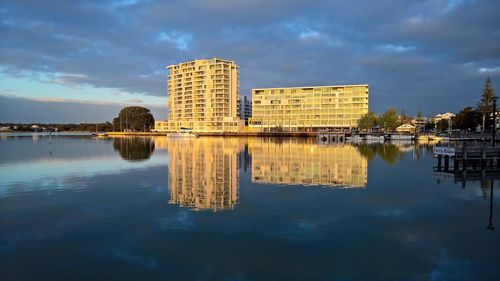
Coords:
pixel 303 162
pixel 203 173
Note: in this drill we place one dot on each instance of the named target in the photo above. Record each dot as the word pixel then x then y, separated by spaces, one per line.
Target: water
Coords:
pixel 82 208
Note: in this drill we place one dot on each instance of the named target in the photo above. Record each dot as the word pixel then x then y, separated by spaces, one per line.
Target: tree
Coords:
pixel 134 118
pixel 403 118
pixel 443 124
pixel 368 121
pixel 389 120
pixel 485 105
pixel 467 119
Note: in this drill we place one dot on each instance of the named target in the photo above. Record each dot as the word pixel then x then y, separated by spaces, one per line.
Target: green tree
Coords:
pixel 134 118
pixel 485 105
pixel 467 119
pixel 368 121
pixel 442 125
pixel 389 120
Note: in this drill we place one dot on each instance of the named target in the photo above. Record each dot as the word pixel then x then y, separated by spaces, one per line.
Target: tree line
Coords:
pixel 132 119
pixel 467 119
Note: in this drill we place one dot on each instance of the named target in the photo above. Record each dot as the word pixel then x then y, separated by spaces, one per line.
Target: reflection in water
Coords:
pixel 80 201
pixel 299 161
pixel 388 152
pixel 134 148
pixel 203 173
pixel 490 220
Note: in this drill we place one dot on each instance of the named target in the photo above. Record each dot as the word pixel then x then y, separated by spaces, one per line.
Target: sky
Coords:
pixel 81 61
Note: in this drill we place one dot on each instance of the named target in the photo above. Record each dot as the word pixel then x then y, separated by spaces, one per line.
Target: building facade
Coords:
pixel 245 109
pixel 202 96
pixel 308 108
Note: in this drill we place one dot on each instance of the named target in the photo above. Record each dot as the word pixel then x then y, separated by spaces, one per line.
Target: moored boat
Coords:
pixel 99 134
pixel 182 135
pixel 401 137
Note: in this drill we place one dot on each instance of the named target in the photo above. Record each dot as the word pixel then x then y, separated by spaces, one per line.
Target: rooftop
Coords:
pixel 307 87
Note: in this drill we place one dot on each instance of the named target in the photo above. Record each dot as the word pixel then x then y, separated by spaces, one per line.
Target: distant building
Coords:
pixel 444 116
pixel 245 108
pixel 419 123
pixel 160 126
pixel 202 96
pixel 308 108
pixel 406 129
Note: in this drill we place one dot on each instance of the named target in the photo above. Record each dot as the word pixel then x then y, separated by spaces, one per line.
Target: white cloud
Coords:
pixel 495 69
pixel 181 40
pixel 395 48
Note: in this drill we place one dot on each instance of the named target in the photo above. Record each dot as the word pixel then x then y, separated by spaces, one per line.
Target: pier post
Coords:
pixel 446 162
pixel 439 162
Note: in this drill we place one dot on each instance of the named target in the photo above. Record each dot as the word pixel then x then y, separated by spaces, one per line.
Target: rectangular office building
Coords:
pixel 308 108
pixel 202 96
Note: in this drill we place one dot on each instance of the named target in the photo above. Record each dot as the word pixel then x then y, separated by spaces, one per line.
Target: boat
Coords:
pixel 401 137
pixel 423 138
pixel 99 134
pixel 435 138
pixel 444 139
pixel 183 133
pixel 371 138
pixel 355 138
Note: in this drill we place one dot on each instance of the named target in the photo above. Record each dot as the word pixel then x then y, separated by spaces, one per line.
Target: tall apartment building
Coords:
pixel 202 96
pixel 308 108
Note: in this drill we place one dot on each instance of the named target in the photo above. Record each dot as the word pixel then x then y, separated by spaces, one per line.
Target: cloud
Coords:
pixel 135 101
pixel 395 48
pixel 64 110
pixel 404 50
pixel 495 70
pixel 179 39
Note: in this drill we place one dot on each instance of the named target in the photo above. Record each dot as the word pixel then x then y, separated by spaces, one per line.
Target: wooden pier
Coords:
pixel 470 163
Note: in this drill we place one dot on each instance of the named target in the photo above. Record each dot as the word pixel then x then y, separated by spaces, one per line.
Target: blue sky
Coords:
pixel 73 61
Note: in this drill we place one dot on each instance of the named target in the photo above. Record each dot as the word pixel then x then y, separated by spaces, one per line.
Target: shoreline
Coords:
pixel 226 134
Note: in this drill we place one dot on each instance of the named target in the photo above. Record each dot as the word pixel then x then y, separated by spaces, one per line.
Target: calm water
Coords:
pixel 80 208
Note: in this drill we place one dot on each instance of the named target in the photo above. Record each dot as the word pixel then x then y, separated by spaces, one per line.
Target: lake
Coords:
pixel 125 208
